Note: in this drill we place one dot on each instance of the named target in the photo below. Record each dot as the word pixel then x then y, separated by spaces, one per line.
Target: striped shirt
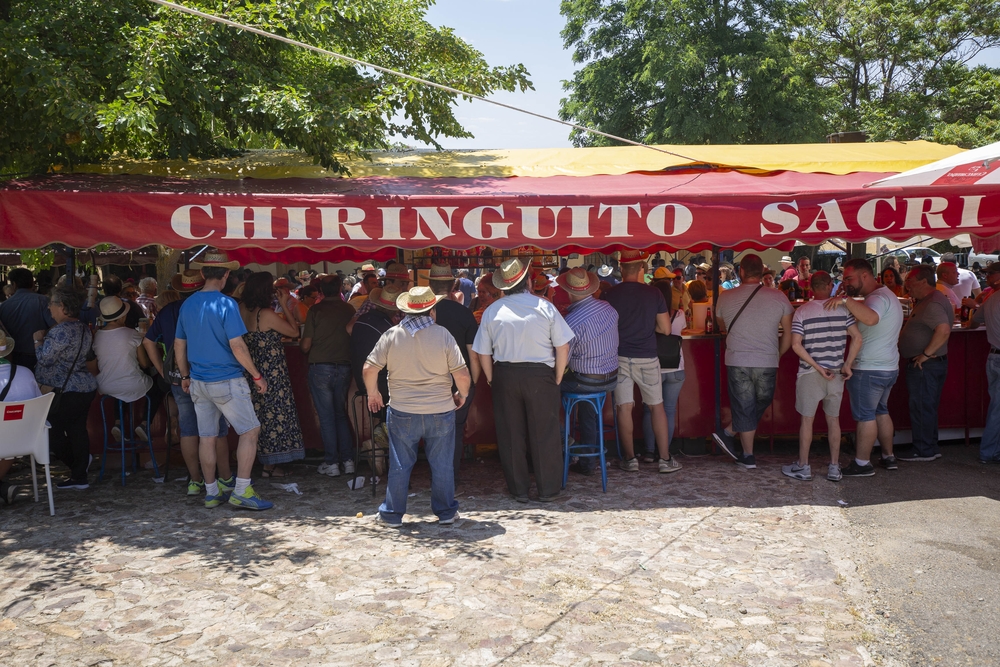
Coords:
pixel 594 348
pixel 824 334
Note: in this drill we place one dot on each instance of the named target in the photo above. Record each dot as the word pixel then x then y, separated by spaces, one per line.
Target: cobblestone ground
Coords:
pixel 710 566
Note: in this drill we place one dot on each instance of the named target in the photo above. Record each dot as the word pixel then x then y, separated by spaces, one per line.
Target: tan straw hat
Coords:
pixel 112 308
pixel 385 297
pixel 633 256
pixel 188 281
pixel 510 273
pixel 397 272
pixel 217 258
pixel 6 344
pixel 440 272
pixel 578 282
pixel 417 300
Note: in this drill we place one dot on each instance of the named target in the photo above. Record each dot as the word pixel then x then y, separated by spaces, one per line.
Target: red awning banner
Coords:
pixel 572 214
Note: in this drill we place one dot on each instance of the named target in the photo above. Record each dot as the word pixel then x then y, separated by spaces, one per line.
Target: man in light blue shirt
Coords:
pixel 211 357
pixel 523 344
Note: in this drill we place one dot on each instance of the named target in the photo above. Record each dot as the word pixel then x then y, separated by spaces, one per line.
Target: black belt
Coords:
pixel 994 350
pixel 600 377
pixel 943 357
pixel 331 363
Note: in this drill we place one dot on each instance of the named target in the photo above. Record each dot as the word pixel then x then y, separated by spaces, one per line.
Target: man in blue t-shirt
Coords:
pixel 211 357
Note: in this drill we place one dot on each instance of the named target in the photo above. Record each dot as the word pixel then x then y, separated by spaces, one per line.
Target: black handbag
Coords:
pixel 57 399
pixel 668 347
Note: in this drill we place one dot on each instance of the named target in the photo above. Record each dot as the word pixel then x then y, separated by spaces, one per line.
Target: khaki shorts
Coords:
pixel 812 388
pixel 642 372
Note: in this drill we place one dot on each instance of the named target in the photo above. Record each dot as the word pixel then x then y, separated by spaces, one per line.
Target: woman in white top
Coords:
pixel 22 388
pixel 120 360
pixel 673 380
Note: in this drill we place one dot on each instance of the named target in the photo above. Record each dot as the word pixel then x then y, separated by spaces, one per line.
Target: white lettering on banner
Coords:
pixel 236 222
pixel 915 212
pixel 473 224
pixel 829 212
pixel 529 221
pixel 866 214
pixel 390 223
pixel 435 223
pixel 970 210
pixel 656 219
pixel 787 222
pixel 180 221
pixel 581 221
pixel 331 218
pixel 619 218
pixel 297 224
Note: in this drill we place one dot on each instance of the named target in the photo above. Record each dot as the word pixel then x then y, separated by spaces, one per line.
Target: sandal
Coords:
pixel 275 471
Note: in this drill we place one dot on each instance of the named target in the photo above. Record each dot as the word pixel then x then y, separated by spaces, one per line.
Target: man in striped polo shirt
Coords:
pixel 819 337
pixel 593 352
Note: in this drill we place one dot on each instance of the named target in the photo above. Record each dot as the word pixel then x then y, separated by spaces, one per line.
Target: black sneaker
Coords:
pixel 914 455
pixel 8 492
pixel 726 443
pixel 73 484
pixel 854 470
pixel 746 460
pixel 889 462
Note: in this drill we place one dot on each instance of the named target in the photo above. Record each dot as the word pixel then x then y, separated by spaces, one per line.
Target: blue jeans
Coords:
pixel 586 416
pixel 989 446
pixel 328 384
pixel 869 393
pixel 672 383
pixel 405 433
pixel 925 387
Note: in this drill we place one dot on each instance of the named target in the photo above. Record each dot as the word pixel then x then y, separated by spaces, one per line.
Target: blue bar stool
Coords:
pixel 127 442
pixel 569 401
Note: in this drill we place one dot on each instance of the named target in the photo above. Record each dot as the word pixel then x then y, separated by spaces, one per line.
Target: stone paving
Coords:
pixel 713 565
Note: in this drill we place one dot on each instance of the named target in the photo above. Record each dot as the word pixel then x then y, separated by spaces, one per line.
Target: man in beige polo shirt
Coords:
pixel 422 359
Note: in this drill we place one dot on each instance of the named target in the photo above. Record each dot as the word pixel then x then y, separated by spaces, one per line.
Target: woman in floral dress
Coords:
pixel 280 438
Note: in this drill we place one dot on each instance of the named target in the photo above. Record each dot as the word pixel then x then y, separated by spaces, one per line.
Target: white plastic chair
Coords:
pixel 24 432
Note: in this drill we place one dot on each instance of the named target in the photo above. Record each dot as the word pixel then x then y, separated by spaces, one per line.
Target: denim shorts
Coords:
pixel 642 372
pixel 187 419
pixel 751 390
pixel 869 392
pixel 228 398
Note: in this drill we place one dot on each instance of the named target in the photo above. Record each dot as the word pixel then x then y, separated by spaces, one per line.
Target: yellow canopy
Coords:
pixel 807 158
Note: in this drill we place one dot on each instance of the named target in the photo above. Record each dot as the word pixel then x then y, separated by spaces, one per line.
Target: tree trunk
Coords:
pixel 166 266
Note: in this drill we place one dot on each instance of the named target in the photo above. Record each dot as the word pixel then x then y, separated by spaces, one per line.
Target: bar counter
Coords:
pixel 963 403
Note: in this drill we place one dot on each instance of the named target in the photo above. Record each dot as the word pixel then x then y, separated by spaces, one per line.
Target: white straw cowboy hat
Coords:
pixel 440 272
pixel 385 297
pixel 604 271
pixel 217 258
pixel 112 308
pixel 510 273
pixel 6 344
pixel 188 281
pixel 418 300
pixel 578 282
pixel 633 256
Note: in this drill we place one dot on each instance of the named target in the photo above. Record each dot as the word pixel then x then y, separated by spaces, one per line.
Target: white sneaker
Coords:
pixel 348 467
pixel 331 469
pixel 448 522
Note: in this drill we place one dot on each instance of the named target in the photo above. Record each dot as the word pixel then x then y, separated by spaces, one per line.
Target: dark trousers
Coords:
pixel 68 438
pixel 461 415
pixel 526 407
pixel 925 386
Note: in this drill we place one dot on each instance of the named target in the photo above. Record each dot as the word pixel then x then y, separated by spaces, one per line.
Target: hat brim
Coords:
pixel 449 278
pixel 177 285
pixel 604 273
pixel 7 346
pixel 594 284
pixel 232 266
pixel 403 303
pixel 504 285
pixel 126 306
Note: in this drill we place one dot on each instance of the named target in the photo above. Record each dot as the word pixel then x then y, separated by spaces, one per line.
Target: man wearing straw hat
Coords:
pixel 523 344
pixel 642 313
pixel 423 361
pixel 461 324
pixel 161 332
pixel 211 357
pixel 593 352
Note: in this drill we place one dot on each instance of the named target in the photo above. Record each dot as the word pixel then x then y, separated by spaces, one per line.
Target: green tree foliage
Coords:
pixel 688 71
pixel 81 79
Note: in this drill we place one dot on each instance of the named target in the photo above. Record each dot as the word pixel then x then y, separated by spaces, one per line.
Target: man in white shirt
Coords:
pixel 523 344
pixel 966 286
pixel 22 388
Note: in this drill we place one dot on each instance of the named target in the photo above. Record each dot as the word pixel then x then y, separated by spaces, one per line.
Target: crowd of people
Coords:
pixel 215 341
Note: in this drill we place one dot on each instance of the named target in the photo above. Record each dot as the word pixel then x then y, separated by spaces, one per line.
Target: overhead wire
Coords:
pixel 403 75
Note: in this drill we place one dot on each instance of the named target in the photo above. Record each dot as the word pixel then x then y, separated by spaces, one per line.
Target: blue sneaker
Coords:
pixel 215 501
pixel 227 485
pixel 250 500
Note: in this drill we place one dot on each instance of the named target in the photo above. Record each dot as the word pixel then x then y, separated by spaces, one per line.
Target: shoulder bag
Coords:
pixel 668 347
pixel 54 407
pixel 746 303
